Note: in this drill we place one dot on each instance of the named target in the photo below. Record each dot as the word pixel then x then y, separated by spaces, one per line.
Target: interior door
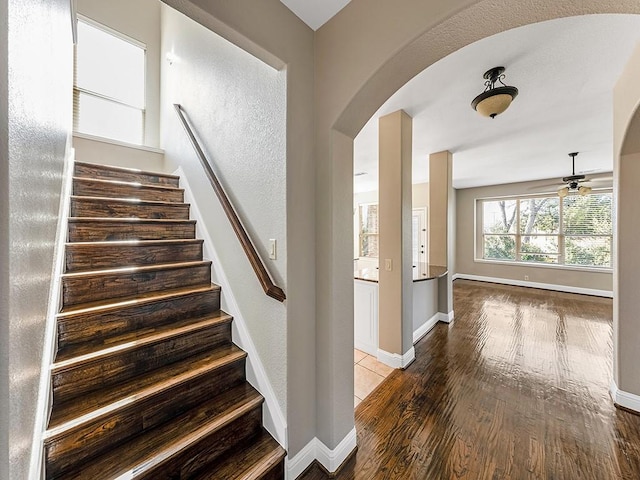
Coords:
pixel 419 235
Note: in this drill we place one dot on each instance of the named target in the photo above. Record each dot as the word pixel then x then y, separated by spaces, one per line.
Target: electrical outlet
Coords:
pixel 526 277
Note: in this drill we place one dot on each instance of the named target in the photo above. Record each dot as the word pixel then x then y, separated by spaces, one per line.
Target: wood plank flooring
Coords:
pixel 516 388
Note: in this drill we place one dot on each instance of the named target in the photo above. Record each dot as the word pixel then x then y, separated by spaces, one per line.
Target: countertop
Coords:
pixel 421 272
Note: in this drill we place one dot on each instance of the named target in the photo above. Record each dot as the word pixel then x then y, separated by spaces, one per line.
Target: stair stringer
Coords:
pixel 45 391
pixel 273 419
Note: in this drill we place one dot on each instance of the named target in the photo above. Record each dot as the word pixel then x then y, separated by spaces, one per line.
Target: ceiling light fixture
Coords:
pixel 494 100
pixel 573 181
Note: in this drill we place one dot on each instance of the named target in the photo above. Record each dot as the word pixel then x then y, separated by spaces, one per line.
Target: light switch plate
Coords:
pixel 388 265
pixel 273 249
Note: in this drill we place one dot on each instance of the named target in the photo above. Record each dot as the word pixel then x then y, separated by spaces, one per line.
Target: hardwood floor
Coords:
pixel 516 388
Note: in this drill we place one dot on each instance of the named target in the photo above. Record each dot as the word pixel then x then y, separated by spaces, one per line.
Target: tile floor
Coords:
pixel 368 373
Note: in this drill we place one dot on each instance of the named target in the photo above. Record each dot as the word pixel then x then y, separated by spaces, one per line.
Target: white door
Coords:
pixel 419 235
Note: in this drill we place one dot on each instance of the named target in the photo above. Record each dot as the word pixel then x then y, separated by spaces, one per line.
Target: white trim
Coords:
pixel 543 286
pixel 332 459
pixel 317 450
pixel 296 465
pixel 43 406
pixel 111 31
pixel 395 360
pixel 445 317
pixel 425 328
pixel 553 266
pixel 624 399
pixel 272 416
pixel 119 143
pixel 365 347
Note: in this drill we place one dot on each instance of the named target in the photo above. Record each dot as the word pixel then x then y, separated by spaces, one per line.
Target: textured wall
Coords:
pixel 275 35
pixel 237 105
pixel 93 151
pixel 38 124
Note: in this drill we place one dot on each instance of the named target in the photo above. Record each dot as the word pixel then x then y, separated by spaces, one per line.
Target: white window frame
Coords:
pixel 360 234
pixel 78 90
pixel 480 235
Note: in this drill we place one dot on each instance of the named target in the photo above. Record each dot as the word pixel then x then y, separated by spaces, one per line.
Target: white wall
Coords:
pixel 107 152
pixel 37 45
pixel 237 105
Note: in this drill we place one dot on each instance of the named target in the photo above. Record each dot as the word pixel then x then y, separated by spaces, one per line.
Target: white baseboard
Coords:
pixel 625 399
pixel 395 360
pixel 43 406
pixel 317 450
pixel 426 328
pixel 272 416
pixel 543 286
pixel 366 348
pixel 445 317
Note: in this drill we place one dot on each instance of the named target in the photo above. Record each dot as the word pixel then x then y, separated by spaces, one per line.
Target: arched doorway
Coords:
pixel 351 93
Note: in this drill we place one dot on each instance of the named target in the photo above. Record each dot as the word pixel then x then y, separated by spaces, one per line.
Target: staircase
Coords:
pixel 146 382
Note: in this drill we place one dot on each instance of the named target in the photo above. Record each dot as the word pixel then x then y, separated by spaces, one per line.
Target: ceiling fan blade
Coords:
pixel 593 181
pixel 548 185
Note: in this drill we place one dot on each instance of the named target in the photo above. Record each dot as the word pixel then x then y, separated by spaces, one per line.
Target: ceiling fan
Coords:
pixel 576 183
pixel 573 181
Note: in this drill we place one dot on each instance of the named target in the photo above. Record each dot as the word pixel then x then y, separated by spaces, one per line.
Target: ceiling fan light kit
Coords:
pixel 494 100
pixel 573 181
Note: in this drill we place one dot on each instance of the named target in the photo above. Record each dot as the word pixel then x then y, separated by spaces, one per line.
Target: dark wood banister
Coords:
pixel 264 278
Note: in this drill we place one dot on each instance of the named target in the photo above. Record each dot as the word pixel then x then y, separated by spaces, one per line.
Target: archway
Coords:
pixel 346 106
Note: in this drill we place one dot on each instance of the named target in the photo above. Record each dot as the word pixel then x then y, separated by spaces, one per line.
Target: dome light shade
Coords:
pixel 494 100
pixel 584 190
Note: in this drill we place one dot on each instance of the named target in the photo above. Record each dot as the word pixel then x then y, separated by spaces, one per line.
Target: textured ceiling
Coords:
pixel 315 12
pixel 565 71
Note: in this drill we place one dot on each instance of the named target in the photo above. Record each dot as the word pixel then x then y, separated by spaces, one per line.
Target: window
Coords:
pixel 368 230
pixel 573 231
pixel 109 84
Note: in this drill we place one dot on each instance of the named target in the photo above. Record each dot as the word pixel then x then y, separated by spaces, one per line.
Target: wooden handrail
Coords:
pixel 259 268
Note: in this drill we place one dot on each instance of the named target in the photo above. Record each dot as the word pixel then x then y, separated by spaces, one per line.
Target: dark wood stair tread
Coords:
pixel 141 335
pixel 124 171
pixel 251 462
pixel 79 288
pixel 136 457
pixel 118 303
pixel 131 220
pixel 127 200
pixel 135 269
pixel 85 256
pixel 137 243
pixel 87 408
pixel 117 345
pixel 125 183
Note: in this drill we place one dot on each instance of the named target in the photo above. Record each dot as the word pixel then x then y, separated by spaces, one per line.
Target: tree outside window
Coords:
pixel 368 230
pixel 576 231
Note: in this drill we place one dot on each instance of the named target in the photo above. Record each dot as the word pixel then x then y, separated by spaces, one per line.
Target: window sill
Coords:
pixel 546 265
pixel 119 143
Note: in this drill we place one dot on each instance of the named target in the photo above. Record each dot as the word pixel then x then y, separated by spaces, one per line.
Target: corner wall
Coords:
pixel 274 34
pixel 626 322
pixel 236 105
pixel 38 124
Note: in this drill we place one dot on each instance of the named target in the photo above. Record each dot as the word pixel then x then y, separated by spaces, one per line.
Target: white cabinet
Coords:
pixel 365 297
